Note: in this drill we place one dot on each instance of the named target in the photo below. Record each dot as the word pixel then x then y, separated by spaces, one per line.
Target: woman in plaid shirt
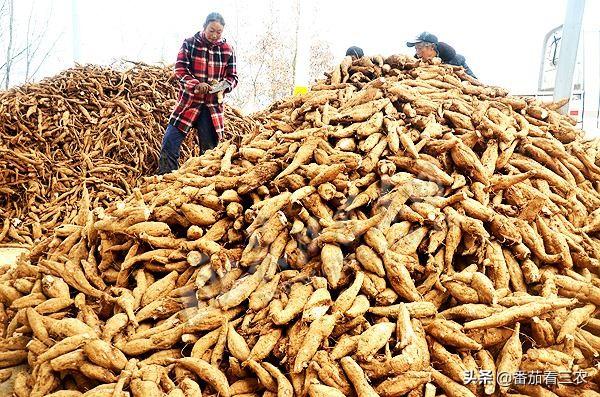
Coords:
pixel 203 58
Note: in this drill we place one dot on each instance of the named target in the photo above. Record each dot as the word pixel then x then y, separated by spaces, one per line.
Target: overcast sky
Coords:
pixel 502 40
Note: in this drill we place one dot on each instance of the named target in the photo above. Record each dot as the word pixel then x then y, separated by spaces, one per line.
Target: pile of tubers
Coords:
pixel 91 126
pixel 399 226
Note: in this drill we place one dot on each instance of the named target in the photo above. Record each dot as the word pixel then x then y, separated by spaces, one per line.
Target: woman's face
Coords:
pixel 213 31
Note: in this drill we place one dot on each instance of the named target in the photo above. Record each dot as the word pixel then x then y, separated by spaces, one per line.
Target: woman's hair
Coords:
pixel 214 17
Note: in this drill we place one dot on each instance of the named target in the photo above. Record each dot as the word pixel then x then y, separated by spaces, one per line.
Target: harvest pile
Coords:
pixel 238 124
pixel 380 236
pixel 93 126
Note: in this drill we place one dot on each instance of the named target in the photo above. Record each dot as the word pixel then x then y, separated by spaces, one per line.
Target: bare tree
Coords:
pixel 33 43
pixel 321 58
pixel 3 12
pixel 268 51
pixel 28 45
pixel 30 50
pixel 9 48
pixel 295 58
pixel 265 62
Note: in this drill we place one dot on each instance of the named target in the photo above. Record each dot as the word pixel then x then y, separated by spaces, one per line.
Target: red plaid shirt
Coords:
pixel 200 61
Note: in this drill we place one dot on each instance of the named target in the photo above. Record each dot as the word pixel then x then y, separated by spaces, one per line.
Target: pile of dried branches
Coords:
pixel 95 126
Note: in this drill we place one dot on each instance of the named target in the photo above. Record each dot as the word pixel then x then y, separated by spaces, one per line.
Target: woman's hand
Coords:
pixel 202 88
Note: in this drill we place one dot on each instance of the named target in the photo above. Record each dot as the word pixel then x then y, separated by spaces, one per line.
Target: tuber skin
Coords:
pixel 398 224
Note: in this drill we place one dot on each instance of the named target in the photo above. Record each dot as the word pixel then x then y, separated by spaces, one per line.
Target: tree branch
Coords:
pixel 11 15
pixel 12 59
pixel 46 56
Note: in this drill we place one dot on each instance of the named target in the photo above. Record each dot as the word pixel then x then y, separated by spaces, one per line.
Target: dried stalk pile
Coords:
pixel 378 237
pixel 89 125
pixel 238 124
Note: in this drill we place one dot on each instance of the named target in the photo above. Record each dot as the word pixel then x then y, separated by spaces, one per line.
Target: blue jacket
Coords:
pixel 460 60
pixel 448 55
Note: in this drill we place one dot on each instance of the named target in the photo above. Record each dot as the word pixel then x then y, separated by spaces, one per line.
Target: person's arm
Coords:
pixel 231 72
pixel 182 70
pixel 463 63
pixel 468 70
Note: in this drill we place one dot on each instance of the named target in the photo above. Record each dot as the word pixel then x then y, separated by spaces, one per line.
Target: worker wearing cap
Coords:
pixel 206 62
pixel 427 46
pixel 355 52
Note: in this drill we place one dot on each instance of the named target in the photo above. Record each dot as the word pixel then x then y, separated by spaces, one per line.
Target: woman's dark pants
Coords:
pixel 171 144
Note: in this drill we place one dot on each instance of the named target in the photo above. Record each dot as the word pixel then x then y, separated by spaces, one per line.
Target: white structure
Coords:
pixel 582 78
pixel 563 83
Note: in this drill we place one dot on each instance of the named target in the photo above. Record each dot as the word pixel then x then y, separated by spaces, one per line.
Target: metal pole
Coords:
pixel 563 84
pixel 302 47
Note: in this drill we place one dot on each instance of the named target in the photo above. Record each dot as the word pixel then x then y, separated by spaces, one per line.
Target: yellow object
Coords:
pixel 300 89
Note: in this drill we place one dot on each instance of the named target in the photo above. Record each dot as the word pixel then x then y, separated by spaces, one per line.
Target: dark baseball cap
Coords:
pixel 424 37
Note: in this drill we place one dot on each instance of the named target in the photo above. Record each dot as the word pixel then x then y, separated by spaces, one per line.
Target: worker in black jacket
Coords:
pixel 427 46
pixel 448 55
